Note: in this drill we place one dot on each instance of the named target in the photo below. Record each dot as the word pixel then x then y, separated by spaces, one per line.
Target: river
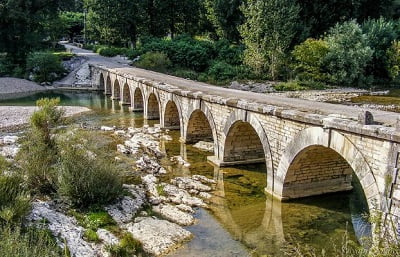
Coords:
pixel 242 220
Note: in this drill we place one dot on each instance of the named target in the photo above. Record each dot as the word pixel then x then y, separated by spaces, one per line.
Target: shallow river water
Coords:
pixel 242 220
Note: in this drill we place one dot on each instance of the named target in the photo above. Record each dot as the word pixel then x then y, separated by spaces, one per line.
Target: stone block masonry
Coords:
pixel 306 152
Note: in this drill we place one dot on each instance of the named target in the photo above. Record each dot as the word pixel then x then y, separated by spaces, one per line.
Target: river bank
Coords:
pixel 16 117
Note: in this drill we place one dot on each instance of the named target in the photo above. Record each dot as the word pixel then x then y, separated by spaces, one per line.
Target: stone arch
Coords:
pixel 126 94
pixel 172 118
pixel 153 107
pixel 245 141
pixel 137 100
pixel 108 87
pixel 337 158
pixel 201 126
pixel 101 82
pixel 116 92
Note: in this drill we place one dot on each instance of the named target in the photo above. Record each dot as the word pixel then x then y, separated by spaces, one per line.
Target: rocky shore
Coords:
pixel 172 202
pixel 14 87
pixel 15 117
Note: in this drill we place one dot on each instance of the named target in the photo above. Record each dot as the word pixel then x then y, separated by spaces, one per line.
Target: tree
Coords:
pixel 380 35
pixel 267 32
pixel 21 26
pixel 226 17
pixel 114 22
pixel 309 59
pixel 349 53
pixel 393 55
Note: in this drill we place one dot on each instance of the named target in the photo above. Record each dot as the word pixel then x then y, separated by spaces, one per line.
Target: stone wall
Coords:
pixel 305 153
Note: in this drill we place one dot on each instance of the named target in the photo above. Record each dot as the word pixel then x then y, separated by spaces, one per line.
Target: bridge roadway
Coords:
pixel 387 118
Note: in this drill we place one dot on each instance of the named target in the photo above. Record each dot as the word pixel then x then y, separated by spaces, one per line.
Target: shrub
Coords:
pixel 393 56
pixel 110 51
pixel 380 34
pixel 289 86
pixel 154 61
pixel 127 247
pixel 229 53
pixel 86 177
pixel 349 54
pixel 14 200
pixel 39 155
pixel 32 243
pixel 96 220
pixel 309 59
pixel 221 71
pixel 91 235
pixel 64 55
pixel 44 66
pixel 185 73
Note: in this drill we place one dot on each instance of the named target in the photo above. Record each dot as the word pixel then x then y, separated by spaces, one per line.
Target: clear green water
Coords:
pixel 242 220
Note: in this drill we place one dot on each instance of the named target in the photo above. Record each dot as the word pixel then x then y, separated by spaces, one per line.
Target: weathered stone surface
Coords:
pixel 158 237
pixel 149 165
pixel 180 196
pixel 189 183
pixel 107 237
pixel 185 208
pixel 123 149
pixel 206 146
pixel 63 227
pixel 107 128
pixel 125 209
pixel 204 179
pixel 174 214
pixel 9 140
pixel 179 160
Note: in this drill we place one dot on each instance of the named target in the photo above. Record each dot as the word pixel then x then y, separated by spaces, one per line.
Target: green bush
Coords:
pixel 393 56
pixel 91 235
pixel 86 177
pixel 127 247
pixel 14 200
pixel 185 73
pixel 349 54
pixel 154 61
pixel 39 155
pixel 380 35
pixel 289 86
pixel 31 243
pixel 96 220
pixel 64 55
pixel 309 59
pixel 229 53
pixel 110 51
pixel 44 66
pixel 221 71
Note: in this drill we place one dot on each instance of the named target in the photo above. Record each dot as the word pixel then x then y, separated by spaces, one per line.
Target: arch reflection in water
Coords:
pixel 266 225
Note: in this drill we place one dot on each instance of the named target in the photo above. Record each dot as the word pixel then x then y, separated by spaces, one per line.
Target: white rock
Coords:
pixel 174 214
pixel 189 183
pixel 205 195
pixel 180 196
pixel 166 138
pixel 179 160
pixel 107 237
pixel 120 132
pixel 10 140
pixel 205 146
pixel 157 237
pixel 124 210
pixel 9 151
pixel 63 227
pixel 204 179
pixel 185 208
pixel 106 128
pixel 122 149
pixel 149 165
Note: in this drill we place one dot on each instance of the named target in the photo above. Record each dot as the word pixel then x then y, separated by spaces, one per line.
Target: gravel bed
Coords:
pixel 14 87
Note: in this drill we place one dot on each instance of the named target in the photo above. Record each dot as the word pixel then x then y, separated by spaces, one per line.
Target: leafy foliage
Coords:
pixel 349 54
pixel 267 33
pixel 44 66
pixel 393 55
pixel 154 61
pixel 86 176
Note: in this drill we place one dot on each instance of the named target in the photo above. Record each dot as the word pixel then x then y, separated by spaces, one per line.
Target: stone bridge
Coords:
pixel 306 153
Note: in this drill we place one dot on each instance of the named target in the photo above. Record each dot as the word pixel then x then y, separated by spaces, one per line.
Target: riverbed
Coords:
pixel 241 220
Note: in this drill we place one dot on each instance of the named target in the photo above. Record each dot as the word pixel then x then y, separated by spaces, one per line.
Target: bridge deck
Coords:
pixel 384 117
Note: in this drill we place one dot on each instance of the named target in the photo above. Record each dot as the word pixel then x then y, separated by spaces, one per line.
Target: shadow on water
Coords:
pixel 242 220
